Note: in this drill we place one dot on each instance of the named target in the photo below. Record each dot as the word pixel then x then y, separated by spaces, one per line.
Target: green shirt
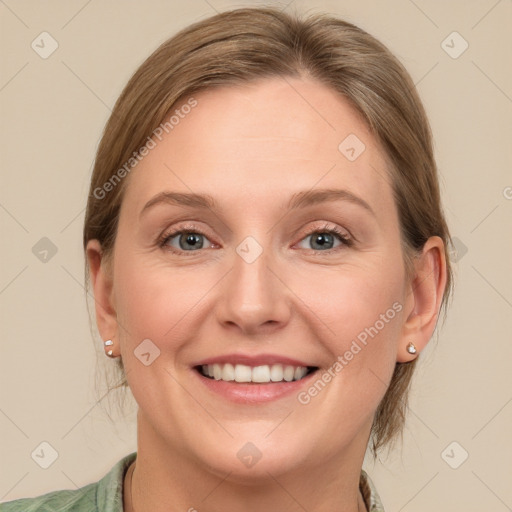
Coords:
pixel 106 495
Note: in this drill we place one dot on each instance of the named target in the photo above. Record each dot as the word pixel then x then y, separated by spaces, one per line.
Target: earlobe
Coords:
pixel 101 281
pixel 425 296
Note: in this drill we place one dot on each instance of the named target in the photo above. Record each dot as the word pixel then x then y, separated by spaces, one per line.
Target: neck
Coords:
pixel 167 479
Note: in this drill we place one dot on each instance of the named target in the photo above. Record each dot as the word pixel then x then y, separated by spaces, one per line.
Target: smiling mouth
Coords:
pixel 241 373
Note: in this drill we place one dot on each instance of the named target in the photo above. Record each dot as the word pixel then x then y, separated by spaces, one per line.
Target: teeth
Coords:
pixel 276 373
pixel 288 373
pixel 243 373
pixel 228 372
pixel 298 374
pixel 260 374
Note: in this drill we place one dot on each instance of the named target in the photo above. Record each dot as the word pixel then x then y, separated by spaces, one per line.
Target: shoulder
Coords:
pixel 106 494
pixel 78 500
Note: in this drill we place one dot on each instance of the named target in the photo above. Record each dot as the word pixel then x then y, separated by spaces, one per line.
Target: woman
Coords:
pixel 268 256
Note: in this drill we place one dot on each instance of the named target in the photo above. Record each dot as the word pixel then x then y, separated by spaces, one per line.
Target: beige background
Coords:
pixel 53 111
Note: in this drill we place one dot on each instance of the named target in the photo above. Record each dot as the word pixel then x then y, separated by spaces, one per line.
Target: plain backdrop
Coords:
pixel 53 111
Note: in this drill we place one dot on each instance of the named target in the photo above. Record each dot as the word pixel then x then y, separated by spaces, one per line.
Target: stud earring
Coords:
pixel 411 348
pixel 109 353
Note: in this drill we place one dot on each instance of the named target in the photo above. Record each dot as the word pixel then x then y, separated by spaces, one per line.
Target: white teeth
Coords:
pixel 288 373
pixel 298 374
pixel 243 373
pixel 260 374
pixel 276 373
pixel 228 372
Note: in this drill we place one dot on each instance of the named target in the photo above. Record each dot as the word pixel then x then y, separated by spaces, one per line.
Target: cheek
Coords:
pixel 157 301
pixel 357 301
pixel 361 312
pixel 364 316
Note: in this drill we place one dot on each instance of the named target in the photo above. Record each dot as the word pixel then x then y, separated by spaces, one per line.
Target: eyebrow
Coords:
pixel 298 200
pixel 315 196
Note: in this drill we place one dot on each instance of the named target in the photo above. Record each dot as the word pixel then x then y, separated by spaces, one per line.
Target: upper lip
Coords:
pixel 252 360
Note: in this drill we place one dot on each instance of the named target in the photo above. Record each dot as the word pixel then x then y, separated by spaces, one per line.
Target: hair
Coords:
pixel 248 44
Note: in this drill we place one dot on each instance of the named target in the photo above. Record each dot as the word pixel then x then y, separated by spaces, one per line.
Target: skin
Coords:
pixel 252 147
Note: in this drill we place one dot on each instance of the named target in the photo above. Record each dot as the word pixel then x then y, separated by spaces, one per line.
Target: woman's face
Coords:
pixel 259 279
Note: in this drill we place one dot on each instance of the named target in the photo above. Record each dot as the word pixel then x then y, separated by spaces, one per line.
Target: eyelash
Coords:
pixel 333 230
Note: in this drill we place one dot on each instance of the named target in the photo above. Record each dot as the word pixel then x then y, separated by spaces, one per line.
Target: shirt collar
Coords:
pixel 109 494
pixel 110 488
pixel 370 496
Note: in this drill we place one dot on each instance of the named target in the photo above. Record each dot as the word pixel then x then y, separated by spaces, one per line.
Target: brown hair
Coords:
pixel 252 43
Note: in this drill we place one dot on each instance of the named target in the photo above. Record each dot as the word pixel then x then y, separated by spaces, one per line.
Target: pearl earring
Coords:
pixel 411 348
pixel 109 353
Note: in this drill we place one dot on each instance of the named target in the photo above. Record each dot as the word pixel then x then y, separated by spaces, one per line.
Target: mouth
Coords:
pixel 262 374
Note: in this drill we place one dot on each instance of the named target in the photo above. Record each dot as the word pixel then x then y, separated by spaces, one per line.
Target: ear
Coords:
pixel 101 279
pixel 424 297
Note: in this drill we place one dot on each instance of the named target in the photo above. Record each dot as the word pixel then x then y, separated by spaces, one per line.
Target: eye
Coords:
pixel 185 239
pixel 323 239
pixel 191 239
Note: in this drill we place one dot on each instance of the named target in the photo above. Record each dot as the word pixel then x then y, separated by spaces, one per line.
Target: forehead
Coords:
pixel 265 139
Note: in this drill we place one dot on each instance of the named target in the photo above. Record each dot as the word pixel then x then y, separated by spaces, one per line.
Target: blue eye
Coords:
pixel 324 240
pixel 186 240
pixel 191 239
pixel 326 237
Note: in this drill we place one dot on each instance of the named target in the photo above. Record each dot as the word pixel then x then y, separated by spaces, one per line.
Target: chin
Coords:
pixel 251 457
pixel 252 467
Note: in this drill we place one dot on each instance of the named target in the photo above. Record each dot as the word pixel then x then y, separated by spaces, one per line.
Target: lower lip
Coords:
pixel 253 393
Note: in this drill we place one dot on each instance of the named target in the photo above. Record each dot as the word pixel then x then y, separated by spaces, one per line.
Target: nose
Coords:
pixel 254 299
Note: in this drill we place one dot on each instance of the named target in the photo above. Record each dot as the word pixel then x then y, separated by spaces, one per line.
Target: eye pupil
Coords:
pixel 323 239
pixel 192 240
